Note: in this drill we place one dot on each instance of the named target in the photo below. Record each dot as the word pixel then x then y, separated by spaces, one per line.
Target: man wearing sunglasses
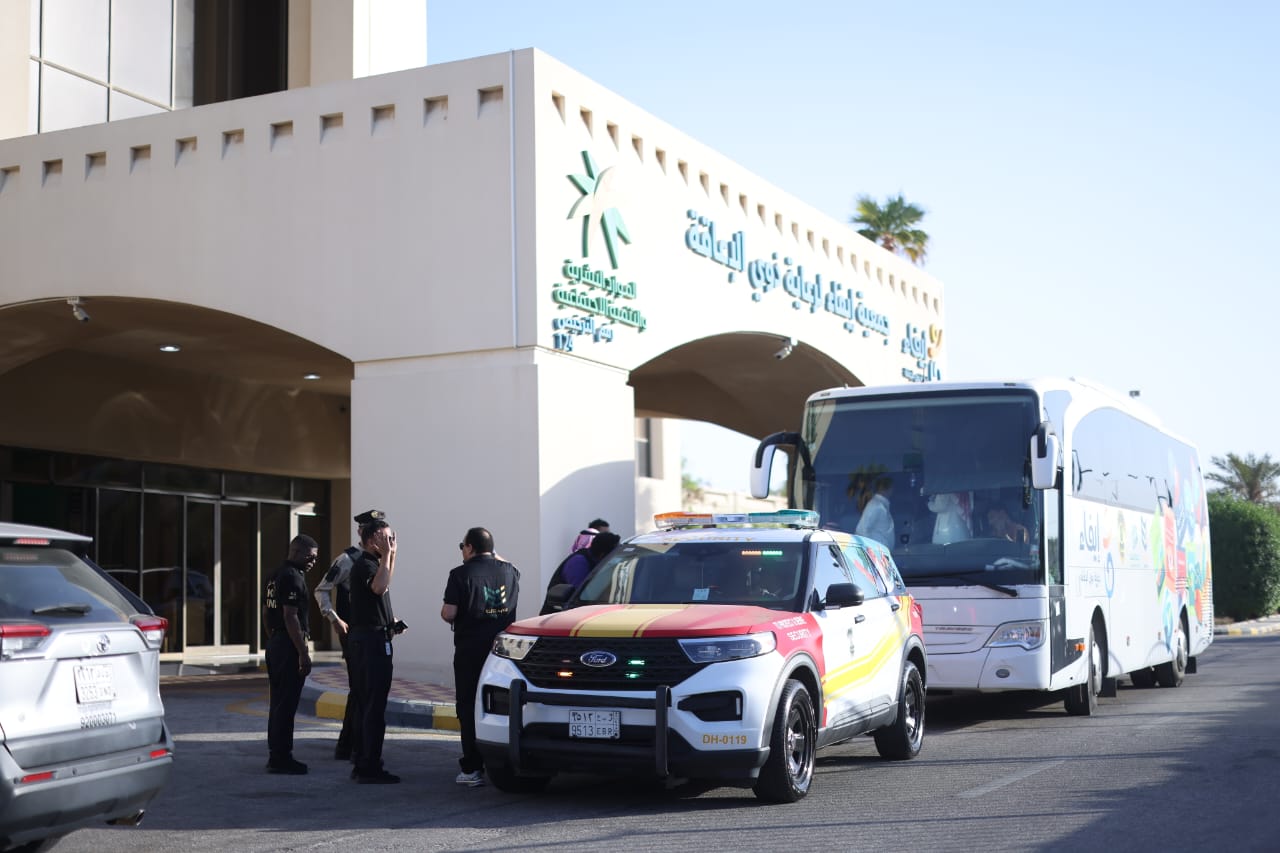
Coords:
pixel 479 601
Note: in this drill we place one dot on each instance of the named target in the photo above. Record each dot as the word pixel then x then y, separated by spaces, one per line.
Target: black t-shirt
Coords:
pixel 286 588
pixel 485 590
pixel 367 610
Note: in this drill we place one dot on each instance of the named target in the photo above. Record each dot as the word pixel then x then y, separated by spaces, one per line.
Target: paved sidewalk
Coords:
pixel 418 705
pixel 411 704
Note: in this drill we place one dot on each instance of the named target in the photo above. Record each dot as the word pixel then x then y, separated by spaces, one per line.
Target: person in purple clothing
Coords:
pixel 580 564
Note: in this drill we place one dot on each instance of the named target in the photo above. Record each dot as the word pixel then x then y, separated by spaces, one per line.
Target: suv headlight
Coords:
pixel 715 649
pixel 513 646
pixel 1028 635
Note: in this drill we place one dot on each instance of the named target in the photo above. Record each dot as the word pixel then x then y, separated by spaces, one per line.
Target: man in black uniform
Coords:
pixel 284 613
pixel 333 594
pixel 479 601
pixel 369 648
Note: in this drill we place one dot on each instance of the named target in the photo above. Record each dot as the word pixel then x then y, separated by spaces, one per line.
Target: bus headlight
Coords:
pixel 1028 635
pixel 513 646
pixel 716 649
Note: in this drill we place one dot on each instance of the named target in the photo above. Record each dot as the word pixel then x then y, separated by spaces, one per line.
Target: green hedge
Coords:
pixel 1245 538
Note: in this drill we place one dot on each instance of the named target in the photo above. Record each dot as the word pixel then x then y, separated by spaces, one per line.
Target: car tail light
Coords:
pixel 152 628
pixel 30 540
pixel 21 637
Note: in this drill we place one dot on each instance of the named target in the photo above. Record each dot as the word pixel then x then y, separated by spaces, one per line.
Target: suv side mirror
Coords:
pixel 843 595
pixel 557 596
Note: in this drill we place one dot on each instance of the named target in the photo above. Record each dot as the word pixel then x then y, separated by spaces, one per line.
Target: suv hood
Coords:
pixel 652 620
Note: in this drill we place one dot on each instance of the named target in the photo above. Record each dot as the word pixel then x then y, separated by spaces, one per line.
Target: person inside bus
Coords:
pixel 876 521
pixel 1001 526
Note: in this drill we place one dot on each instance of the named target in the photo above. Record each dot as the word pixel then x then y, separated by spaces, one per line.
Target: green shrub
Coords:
pixel 1245 538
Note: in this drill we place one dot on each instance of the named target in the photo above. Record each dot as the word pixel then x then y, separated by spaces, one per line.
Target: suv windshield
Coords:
pixel 54 585
pixel 766 574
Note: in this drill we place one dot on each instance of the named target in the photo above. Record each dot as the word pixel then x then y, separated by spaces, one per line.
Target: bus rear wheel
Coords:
pixel 1082 699
pixel 1171 674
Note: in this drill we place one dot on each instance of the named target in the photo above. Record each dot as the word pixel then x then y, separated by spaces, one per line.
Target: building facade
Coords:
pixel 471 293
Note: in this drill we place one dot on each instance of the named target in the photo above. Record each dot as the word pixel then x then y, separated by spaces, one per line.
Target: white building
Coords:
pixel 466 294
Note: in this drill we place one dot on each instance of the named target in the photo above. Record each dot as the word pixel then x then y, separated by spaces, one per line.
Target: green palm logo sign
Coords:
pixel 594 188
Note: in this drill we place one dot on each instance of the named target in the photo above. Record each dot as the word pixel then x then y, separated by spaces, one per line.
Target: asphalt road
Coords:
pixel 1158 769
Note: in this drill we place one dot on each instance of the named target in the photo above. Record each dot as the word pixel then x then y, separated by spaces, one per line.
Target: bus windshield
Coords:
pixel 942 479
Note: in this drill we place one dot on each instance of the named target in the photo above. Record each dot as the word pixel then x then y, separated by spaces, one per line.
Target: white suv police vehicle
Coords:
pixel 717 648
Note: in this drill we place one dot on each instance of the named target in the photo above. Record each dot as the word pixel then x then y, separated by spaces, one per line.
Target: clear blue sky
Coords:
pixel 1101 178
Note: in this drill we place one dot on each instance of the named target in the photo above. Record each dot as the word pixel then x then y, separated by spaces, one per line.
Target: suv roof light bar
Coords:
pixel 801 518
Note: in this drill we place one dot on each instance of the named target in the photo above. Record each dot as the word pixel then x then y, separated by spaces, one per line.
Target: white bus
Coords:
pixel 1055 533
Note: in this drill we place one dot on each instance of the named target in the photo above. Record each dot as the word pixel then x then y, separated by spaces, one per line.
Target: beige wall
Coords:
pixel 15 62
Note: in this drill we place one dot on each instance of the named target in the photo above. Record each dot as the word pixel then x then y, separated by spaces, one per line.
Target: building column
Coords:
pixel 15 68
pixel 528 443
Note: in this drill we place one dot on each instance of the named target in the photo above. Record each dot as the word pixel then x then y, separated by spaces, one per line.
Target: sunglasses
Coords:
pixel 461 545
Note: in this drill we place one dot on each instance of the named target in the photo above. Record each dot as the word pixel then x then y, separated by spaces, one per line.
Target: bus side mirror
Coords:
pixel 760 471
pixel 1044 457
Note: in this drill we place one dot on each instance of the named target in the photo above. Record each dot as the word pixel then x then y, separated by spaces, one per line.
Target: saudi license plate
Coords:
pixel 95 683
pixel 595 724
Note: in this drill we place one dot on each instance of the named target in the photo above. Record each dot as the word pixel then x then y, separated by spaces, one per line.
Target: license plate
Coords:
pixel 95 683
pixel 595 724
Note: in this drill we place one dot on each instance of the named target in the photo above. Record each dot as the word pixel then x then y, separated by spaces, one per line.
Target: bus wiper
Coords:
pixel 78 609
pixel 1007 590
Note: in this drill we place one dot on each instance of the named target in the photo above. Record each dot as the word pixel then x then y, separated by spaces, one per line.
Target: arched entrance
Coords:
pixel 186 441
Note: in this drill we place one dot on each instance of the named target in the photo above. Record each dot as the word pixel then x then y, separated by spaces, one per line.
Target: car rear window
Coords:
pixel 53 585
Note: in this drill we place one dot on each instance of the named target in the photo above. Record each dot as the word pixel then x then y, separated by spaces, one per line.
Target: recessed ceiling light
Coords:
pixel 311 376
pixel 170 348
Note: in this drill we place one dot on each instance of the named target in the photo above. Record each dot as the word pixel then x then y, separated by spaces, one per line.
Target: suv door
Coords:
pixel 853 647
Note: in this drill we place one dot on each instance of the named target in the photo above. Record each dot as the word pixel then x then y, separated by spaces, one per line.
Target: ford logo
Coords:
pixel 599 659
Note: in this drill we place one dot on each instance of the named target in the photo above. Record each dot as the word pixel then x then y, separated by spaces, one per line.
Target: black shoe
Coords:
pixel 382 777
pixel 287 766
pixel 355 773
pixel 342 753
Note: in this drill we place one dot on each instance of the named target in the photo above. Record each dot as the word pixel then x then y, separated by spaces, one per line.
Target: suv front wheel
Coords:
pixel 786 776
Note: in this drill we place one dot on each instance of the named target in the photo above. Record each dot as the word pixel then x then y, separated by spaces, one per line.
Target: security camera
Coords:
pixel 77 310
pixel 787 345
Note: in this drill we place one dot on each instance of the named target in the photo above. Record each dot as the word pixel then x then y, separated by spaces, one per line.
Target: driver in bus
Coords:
pixel 1002 526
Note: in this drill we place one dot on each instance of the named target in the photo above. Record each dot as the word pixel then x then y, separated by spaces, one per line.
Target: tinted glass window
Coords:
pixel 827 569
pixel 52 585
pixel 762 573
pixel 866 574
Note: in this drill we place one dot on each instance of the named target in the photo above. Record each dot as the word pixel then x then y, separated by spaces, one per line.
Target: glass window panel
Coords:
pixel 118 545
pixel 241 485
pixel 141 41
pixel 123 106
pixel 162 561
pixel 312 492
pixel 179 478
pixel 75 35
pixel 33 98
pixel 238 580
pixel 96 470
pixel 58 507
pixel 19 463
pixel 35 28
pixel 69 101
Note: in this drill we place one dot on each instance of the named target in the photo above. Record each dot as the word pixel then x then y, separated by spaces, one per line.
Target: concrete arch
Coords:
pixel 736 381
pixel 233 397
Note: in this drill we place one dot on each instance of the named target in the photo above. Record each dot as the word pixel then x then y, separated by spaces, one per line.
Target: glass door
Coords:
pixel 200 572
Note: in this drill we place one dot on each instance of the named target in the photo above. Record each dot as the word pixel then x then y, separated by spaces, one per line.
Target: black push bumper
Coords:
pixel 658 751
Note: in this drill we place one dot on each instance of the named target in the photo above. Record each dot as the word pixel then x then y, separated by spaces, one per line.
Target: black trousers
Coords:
pixel 370 670
pixel 468 660
pixel 345 737
pixel 286 692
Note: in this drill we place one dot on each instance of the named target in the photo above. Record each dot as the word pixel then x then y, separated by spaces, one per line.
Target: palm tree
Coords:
pixel 893 226
pixel 1250 478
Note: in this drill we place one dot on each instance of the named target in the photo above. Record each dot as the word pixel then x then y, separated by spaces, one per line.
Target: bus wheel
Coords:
pixel 1143 677
pixel 1082 700
pixel 1171 674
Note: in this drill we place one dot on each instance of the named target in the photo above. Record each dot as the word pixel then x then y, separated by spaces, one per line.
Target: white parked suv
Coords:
pixel 83 740
pixel 717 648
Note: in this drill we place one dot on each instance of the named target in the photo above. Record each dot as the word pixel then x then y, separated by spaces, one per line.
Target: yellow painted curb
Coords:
pixel 445 717
pixel 331 706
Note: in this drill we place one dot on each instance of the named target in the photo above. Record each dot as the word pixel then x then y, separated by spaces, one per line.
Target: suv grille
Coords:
pixel 642 664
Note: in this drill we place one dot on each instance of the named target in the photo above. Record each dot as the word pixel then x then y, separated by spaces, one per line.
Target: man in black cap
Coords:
pixel 333 594
pixel 369 642
pixel 479 601
pixel 284 613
